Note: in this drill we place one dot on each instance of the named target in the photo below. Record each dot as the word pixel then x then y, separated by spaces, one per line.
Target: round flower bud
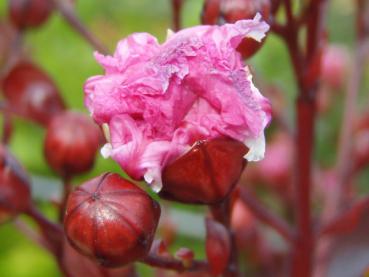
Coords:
pixel 71 143
pixel 206 174
pixel 31 93
pixel 29 13
pixel 335 61
pixel 111 220
pixel 15 193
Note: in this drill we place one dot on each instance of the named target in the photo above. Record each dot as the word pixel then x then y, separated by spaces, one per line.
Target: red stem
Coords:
pixel 174 264
pixel 222 212
pixel 176 13
pixel 265 216
pixel 343 166
pixel 67 11
pixel 67 188
pixel 52 232
pixel 305 110
pixel 304 246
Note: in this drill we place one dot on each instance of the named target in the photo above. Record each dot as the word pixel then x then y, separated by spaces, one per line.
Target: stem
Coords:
pixel 176 14
pixel 222 213
pixel 7 127
pixel 344 169
pixel 67 11
pixel 52 232
pixel 67 188
pixel 265 216
pixel 304 246
pixel 305 110
pixel 343 165
pixel 51 239
pixel 174 264
pixel 30 233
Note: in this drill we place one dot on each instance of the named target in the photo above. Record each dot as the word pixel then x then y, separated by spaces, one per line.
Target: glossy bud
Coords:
pixel 31 93
pixel 206 174
pixel 15 194
pixel 29 13
pixel 111 220
pixel 71 143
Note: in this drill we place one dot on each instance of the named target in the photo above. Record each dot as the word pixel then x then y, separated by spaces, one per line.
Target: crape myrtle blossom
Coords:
pixel 157 100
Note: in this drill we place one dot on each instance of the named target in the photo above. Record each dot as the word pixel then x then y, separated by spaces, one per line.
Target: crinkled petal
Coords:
pixel 160 99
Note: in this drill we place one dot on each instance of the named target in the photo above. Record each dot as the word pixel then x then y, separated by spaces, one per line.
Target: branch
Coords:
pixel 174 264
pixel 265 216
pixel 222 213
pixel 176 13
pixel 343 164
pixel 67 11
pixel 53 233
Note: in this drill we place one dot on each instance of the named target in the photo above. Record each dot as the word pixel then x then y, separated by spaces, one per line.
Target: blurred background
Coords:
pixel 68 59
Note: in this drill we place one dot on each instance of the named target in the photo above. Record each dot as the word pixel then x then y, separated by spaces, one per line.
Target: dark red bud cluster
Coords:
pixel 15 194
pixel 71 143
pixel 30 92
pixel 111 220
pixel 220 11
pixel 29 13
pixel 206 174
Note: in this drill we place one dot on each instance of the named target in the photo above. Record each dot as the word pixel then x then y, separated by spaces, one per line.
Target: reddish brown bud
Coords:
pixel 218 246
pixel 246 9
pixel 206 174
pixel 15 193
pixel 29 13
pixel 31 93
pixel 72 140
pixel 210 12
pixel 219 11
pixel 111 220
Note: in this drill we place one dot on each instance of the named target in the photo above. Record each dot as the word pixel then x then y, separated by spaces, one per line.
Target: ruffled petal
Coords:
pixel 160 99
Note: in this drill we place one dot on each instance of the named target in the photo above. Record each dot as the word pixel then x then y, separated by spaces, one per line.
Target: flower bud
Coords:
pixel 71 143
pixel 206 174
pixel 220 11
pixel 31 93
pixel 335 61
pixel 111 220
pixel 246 9
pixel 29 13
pixel 15 193
pixel 210 12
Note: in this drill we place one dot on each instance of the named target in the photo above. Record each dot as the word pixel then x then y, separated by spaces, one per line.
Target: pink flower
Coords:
pixel 158 99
